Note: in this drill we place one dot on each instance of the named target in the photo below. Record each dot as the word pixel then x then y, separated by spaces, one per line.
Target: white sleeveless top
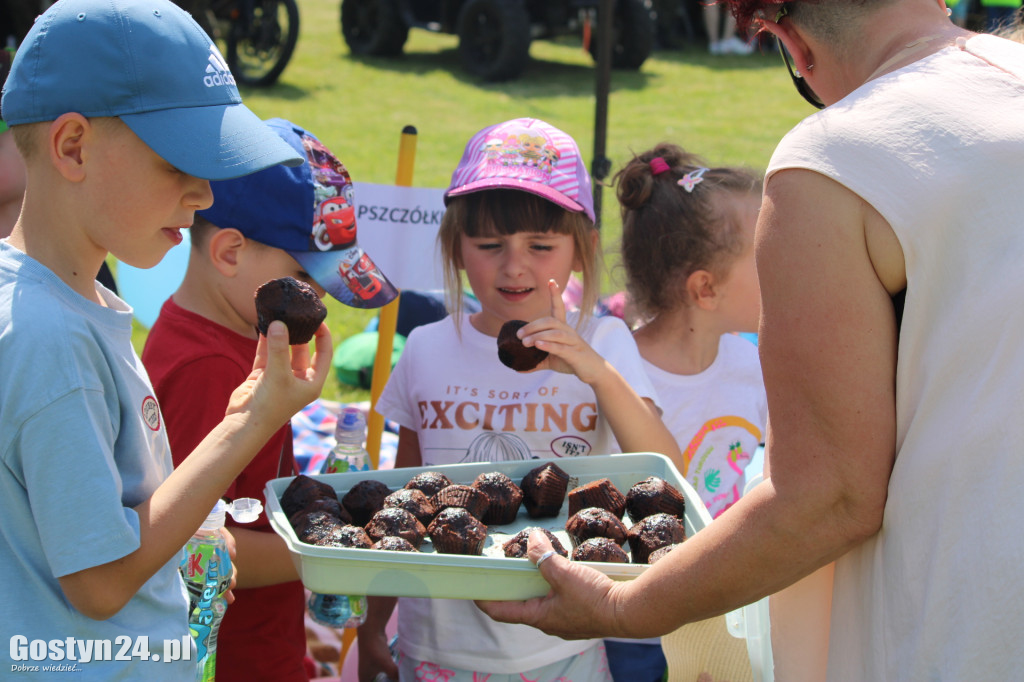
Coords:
pixel 938 149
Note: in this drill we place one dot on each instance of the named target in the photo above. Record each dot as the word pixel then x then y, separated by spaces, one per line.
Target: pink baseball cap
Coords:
pixel 529 155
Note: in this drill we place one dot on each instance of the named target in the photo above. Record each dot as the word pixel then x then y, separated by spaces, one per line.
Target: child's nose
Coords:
pixel 515 261
pixel 200 195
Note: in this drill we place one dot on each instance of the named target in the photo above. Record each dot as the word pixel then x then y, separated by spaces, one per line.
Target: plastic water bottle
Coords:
pixel 348 453
pixel 339 610
pixel 206 569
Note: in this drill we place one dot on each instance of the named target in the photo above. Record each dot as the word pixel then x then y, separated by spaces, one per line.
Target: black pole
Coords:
pixel 601 165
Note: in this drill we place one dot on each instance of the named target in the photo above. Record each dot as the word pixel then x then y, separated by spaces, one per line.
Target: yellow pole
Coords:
pixel 385 340
pixel 388 314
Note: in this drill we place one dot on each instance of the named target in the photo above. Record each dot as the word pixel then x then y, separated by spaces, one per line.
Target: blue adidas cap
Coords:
pixel 149 63
pixel 309 212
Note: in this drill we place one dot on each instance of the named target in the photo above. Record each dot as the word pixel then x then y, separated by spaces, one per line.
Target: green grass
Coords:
pixel 731 110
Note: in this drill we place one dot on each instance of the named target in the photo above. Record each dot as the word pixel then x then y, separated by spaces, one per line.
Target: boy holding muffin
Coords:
pixel 119 150
pixel 281 222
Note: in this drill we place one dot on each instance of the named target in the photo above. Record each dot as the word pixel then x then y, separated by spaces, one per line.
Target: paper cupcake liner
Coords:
pixel 600 493
pixel 469 498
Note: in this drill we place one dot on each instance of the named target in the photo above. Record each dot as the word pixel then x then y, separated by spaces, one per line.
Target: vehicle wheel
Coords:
pixel 494 38
pixel 260 44
pixel 373 27
pixel 632 34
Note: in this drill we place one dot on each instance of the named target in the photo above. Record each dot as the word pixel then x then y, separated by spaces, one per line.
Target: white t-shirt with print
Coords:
pixel 718 417
pixel 466 406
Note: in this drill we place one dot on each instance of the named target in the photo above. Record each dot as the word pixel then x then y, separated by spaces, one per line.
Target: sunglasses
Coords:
pixel 798 82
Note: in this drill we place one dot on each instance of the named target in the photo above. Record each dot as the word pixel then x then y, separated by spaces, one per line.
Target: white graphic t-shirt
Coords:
pixel 466 406
pixel 718 417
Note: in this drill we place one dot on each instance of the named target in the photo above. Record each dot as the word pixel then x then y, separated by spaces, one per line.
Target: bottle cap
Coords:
pixel 351 419
pixel 245 509
pixel 242 510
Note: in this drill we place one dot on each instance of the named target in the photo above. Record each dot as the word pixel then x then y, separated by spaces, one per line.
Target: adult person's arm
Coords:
pixel 827 264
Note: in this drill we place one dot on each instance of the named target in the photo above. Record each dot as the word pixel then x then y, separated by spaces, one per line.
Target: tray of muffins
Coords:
pixel 459 531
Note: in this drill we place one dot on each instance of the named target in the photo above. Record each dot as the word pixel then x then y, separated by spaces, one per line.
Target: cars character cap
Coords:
pixel 307 211
pixel 526 154
pixel 149 63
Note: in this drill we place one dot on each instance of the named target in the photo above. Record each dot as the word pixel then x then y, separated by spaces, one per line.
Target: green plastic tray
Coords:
pixel 340 570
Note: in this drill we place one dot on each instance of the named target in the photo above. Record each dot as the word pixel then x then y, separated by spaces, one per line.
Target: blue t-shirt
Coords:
pixel 82 442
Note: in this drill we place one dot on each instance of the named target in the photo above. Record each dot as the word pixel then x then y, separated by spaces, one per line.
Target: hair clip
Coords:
pixel 692 179
pixel 659 166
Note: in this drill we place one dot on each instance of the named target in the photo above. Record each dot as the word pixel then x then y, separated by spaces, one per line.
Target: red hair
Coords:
pixel 746 10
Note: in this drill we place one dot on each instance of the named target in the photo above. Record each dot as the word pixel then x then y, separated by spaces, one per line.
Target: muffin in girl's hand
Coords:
pixel 293 302
pixel 513 353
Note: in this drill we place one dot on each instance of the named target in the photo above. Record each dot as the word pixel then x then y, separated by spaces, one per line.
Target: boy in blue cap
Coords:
pixel 123 111
pixel 280 222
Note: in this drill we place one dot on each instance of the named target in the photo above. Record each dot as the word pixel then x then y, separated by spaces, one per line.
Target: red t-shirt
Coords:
pixel 194 365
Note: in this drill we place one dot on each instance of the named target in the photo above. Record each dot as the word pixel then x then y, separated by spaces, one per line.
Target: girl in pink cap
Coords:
pixel 515 228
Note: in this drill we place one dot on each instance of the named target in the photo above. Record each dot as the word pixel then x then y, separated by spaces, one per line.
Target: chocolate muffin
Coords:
pixel 396 521
pixel 302 491
pixel 365 499
pixel 600 493
pixel 595 522
pixel 516 546
pixel 544 490
pixel 414 502
pixel 504 496
pixel 293 302
pixel 513 353
pixel 661 552
pixel 467 497
pixel 393 543
pixel 331 505
pixel 654 495
pixel 600 549
pixel 430 482
pixel 654 532
pixel 456 531
pixel 353 536
pixel 329 532
pixel 315 527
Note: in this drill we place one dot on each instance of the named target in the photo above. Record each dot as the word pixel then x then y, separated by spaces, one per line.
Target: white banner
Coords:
pixel 398 227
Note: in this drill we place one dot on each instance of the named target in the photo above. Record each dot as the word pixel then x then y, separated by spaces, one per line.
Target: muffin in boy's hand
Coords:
pixel 293 302
pixel 513 353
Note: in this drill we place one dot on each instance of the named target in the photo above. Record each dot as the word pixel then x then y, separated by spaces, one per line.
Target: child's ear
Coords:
pixel 225 248
pixel 67 139
pixel 702 288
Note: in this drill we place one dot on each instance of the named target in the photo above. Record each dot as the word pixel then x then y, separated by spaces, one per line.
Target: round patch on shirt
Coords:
pixel 151 412
pixel 570 446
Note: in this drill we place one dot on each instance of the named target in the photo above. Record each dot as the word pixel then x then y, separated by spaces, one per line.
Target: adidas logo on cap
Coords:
pixel 217 70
